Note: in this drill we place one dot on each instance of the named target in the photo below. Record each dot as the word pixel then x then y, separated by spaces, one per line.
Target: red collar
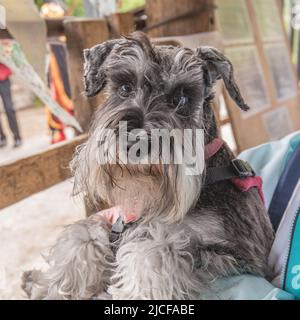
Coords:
pixel 212 148
pixel 243 185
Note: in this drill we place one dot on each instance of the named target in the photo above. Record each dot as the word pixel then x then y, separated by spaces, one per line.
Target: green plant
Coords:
pixel 127 5
pixel 39 3
pixel 75 7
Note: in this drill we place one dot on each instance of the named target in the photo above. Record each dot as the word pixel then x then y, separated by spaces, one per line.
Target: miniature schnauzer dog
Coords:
pixel 189 233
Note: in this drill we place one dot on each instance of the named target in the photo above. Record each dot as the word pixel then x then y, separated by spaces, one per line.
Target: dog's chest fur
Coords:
pixel 229 231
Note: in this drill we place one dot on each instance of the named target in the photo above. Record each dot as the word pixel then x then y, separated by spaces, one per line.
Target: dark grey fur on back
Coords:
pixel 189 234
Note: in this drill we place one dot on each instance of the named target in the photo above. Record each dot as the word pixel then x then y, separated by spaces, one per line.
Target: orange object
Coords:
pixel 60 96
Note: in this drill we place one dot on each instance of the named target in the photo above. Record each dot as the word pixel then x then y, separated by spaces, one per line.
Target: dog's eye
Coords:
pixel 180 100
pixel 125 90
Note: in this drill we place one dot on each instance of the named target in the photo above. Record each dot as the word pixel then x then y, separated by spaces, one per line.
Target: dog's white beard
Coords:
pixel 166 191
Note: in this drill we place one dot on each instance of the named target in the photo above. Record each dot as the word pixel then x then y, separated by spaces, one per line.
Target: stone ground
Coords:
pixel 33 128
pixel 28 228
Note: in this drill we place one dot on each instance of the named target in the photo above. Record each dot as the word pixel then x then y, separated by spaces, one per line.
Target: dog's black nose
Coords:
pixel 134 118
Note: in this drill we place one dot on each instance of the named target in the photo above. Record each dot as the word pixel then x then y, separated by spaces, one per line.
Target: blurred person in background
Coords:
pixel 5 93
pixel 58 76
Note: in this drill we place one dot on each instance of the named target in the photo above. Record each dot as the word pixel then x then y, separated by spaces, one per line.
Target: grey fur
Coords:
pixel 79 264
pixel 189 235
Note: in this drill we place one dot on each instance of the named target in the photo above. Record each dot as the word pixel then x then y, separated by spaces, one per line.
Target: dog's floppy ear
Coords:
pixel 94 73
pixel 218 66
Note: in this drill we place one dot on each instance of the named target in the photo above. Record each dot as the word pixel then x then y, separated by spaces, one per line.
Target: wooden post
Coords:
pixel 281 5
pixel 122 24
pixel 82 34
pixel 194 22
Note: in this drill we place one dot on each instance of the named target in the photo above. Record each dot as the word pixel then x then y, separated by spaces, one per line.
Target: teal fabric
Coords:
pixel 246 287
pixel 292 277
pixel 268 161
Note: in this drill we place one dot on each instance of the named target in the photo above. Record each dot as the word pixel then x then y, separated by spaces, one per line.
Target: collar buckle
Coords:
pixel 242 168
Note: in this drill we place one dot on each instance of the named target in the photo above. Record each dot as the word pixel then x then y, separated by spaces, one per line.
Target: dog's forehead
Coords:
pixel 159 59
pixel 177 57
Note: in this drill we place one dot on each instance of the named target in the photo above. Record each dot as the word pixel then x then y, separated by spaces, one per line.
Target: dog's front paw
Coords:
pixel 159 267
pixel 80 264
pixel 32 284
pixel 28 281
pixel 103 296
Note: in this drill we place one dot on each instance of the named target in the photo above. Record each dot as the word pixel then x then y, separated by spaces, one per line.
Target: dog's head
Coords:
pixel 148 88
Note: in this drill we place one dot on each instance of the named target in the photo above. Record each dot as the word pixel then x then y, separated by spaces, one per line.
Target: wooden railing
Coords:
pixel 27 176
